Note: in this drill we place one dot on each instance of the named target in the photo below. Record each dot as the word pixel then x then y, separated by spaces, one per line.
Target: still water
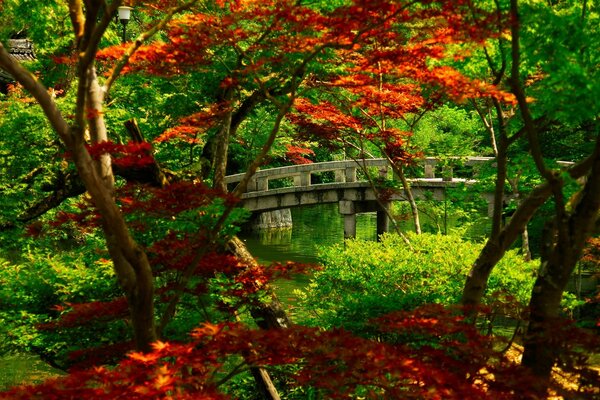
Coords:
pixel 322 225
pixel 313 227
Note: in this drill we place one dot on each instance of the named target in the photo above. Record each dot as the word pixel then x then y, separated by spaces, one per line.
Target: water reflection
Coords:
pixel 322 225
pixel 314 226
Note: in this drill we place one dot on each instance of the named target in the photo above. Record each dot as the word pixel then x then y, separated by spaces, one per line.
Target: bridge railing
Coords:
pixel 346 171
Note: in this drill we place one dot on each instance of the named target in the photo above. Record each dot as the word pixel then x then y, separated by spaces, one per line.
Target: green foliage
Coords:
pixel 463 213
pixel 561 45
pixel 448 131
pixel 362 280
pixel 23 124
pixel 29 292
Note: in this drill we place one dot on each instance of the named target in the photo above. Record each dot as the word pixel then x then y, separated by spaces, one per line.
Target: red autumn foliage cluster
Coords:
pixel 191 127
pixel 85 313
pixel 167 202
pixel 380 66
pixel 297 155
pixel 130 155
pixel 430 353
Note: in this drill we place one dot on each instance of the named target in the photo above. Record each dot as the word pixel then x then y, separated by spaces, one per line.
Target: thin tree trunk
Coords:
pixel 131 265
pixel 525 249
pixel 410 197
pixel 501 166
pixel 514 185
pixel 97 126
pixel 221 152
pixel 265 384
pixel 269 315
pixel 130 262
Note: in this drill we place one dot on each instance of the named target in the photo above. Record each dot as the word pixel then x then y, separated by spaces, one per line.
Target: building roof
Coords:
pixel 20 49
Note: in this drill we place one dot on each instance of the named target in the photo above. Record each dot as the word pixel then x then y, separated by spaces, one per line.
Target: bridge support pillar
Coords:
pixel 383 222
pixel 489 197
pixel 348 210
pixel 349 226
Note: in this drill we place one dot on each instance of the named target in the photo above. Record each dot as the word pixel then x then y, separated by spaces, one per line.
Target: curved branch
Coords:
pixel 39 91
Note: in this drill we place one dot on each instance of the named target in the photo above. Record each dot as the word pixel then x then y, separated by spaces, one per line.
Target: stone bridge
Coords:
pixel 346 183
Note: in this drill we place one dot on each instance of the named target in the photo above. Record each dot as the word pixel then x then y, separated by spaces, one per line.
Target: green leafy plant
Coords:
pixel 362 280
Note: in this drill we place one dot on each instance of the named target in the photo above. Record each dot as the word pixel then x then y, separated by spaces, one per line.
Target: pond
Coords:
pixel 313 227
pixel 322 225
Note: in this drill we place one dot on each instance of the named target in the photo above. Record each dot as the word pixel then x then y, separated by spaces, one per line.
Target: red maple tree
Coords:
pixel 346 71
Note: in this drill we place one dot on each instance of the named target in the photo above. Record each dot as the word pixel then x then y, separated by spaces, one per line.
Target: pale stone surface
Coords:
pixel 276 219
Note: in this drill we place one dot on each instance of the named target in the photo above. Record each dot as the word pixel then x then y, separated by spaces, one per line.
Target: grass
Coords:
pixel 24 369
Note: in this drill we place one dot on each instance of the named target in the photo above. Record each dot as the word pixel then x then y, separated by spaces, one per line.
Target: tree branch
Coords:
pixel 37 90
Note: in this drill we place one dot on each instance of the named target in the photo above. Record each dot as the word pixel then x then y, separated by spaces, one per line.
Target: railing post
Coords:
pixel 252 185
pixel 302 179
pixel 305 178
pixel 447 173
pixel 262 184
pixel 350 173
pixel 430 168
pixel 340 175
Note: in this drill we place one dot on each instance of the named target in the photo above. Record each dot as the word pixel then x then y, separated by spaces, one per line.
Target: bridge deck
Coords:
pixel 347 185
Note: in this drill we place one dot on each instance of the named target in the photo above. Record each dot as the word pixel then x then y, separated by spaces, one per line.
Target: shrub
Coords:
pixel 36 290
pixel 363 280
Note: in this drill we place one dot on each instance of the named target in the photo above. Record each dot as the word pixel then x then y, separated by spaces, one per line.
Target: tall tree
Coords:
pixel 543 72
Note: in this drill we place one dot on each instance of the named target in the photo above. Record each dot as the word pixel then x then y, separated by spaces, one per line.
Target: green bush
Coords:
pixel 31 289
pixel 362 280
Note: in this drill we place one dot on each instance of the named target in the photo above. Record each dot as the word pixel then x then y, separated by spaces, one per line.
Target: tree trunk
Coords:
pixel 130 262
pixel 558 263
pixel 542 342
pixel 496 246
pixel 97 127
pixel 136 280
pixel 221 151
pixel 514 184
pixel 266 315
pixel 501 166
pixel 131 265
pixel 525 249
pixel 410 197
